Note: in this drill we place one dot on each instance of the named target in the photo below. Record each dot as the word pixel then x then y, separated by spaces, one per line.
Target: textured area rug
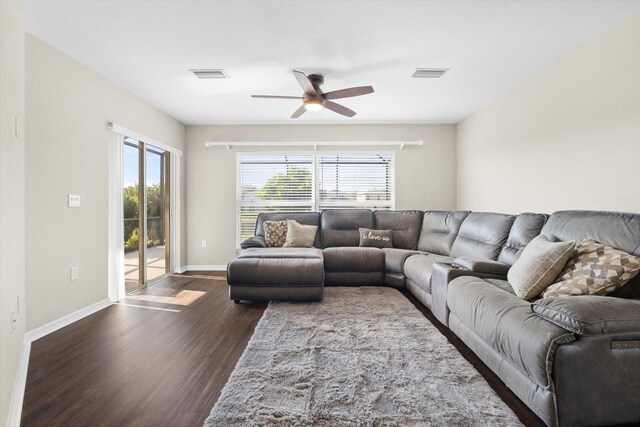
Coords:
pixel 365 356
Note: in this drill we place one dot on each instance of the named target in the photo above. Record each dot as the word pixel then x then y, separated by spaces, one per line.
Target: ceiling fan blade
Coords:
pixel 348 93
pixel 305 83
pixel 300 111
pixel 276 97
pixel 340 109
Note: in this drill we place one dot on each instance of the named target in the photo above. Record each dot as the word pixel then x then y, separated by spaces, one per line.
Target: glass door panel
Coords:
pixel 156 213
pixel 146 213
pixel 131 204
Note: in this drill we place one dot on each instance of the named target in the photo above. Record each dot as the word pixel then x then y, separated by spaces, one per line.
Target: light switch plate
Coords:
pixel 73 273
pixel 74 201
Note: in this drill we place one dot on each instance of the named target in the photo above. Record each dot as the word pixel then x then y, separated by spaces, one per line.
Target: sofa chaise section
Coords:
pixel 265 274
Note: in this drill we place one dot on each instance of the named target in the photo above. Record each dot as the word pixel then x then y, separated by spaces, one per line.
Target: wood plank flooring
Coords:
pixel 161 358
pixel 145 362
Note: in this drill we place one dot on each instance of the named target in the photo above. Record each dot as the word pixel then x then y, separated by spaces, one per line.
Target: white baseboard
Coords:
pixel 15 408
pixel 211 267
pixel 15 412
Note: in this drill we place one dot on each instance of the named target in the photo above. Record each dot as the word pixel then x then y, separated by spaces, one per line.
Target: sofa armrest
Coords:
pixel 482 265
pixel 254 242
pixel 590 315
pixel 441 275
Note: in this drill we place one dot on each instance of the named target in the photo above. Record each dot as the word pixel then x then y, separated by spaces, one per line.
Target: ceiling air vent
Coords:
pixel 210 74
pixel 429 73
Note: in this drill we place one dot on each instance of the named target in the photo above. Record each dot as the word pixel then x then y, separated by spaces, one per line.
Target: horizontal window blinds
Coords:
pixel 360 180
pixel 311 182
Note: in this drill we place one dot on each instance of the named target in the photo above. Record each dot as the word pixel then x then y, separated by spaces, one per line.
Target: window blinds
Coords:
pixel 311 182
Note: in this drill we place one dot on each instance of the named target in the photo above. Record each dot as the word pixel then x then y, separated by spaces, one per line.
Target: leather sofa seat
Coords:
pixel 418 270
pixel 353 266
pixel 394 260
pixel 507 324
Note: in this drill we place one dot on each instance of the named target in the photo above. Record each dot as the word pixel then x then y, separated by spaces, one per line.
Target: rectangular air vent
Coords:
pixel 210 74
pixel 429 73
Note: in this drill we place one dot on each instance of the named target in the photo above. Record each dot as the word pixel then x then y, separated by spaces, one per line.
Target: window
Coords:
pixel 311 182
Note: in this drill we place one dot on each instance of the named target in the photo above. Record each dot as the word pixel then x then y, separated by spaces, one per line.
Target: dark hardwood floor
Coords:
pixel 161 358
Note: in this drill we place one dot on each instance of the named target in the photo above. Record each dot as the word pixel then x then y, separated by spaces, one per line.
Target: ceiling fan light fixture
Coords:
pixel 313 104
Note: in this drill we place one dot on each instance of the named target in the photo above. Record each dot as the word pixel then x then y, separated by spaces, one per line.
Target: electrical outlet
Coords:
pixel 73 273
pixel 74 201
pixel 204 243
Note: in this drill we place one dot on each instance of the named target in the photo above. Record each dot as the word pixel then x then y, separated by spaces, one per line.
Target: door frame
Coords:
pixel 116 288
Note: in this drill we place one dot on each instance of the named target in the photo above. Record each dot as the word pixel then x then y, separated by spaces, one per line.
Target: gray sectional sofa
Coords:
pixel 574 361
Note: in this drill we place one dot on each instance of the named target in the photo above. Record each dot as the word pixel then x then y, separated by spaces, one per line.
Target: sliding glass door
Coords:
pixel 146 207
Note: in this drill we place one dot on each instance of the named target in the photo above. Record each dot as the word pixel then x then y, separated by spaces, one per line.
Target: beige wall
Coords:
pixel 12 206
pixel 569 138
pixel 68 107
pixel 425 176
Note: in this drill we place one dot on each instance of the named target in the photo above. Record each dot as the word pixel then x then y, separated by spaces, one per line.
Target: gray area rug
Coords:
pixel 365 356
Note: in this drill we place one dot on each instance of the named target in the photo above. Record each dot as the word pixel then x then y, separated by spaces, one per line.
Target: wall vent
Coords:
pixel 210 74
pixel 429 73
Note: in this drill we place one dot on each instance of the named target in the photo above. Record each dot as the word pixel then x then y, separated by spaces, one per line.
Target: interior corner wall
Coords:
pixel 12 199
pixel 569 138
pixel 68 107
pixel 425 176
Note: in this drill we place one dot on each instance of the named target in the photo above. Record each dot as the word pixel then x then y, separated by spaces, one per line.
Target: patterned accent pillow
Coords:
pixel 275 233
pixel 595 269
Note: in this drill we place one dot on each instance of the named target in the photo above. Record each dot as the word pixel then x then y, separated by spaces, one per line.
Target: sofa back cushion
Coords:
pixel 616 229
pixel 305 218
pixel 524 229
pixel 339 227
pixel 439 231
pixel 482 235
pixel 405 226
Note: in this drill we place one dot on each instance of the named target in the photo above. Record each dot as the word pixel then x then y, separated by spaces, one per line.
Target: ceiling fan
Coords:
pixel 313 99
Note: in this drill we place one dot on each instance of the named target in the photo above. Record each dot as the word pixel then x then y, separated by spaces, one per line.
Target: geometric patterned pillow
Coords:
pixel 275 233
pixel 595 269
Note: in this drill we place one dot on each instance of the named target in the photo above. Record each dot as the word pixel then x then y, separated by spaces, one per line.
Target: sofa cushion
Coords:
pixel 375 238
pixel 305 218
pixel 508 325
pixel 394 259
pixel 405 226
pixel 538 266
pixel 482 235
pixel 339 227
pixel 439 230
pixel 418 268
pixel 525 227
pixel 594 269
pixel 353 259
pixel 275 233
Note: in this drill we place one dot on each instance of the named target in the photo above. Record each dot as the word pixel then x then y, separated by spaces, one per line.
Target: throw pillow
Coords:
pixel 594 269
pixel 275 233
pixel 376 238
pixel 300 236
pixel 539 264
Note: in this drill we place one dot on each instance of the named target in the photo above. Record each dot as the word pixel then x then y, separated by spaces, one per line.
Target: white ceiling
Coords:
pixel 490 46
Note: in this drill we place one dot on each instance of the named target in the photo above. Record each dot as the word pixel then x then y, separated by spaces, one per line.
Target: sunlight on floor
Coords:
pixel 184 297
pixel 149 307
